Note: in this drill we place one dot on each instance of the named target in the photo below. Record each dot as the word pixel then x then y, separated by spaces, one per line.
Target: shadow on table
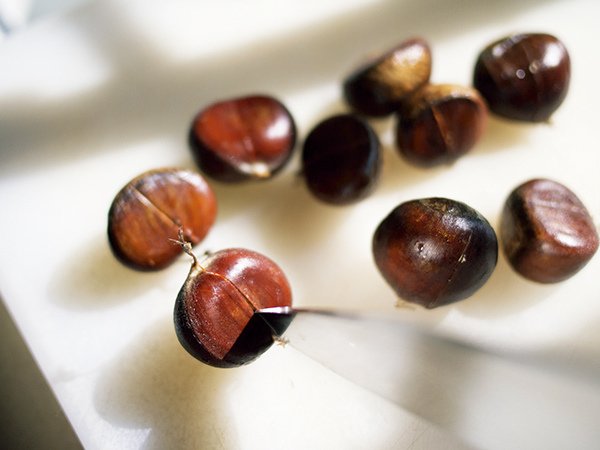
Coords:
pixel 93 279
pixel 155 385
pixel 31 416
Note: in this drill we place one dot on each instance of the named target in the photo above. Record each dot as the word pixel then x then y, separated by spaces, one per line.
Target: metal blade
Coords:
pixel 490 400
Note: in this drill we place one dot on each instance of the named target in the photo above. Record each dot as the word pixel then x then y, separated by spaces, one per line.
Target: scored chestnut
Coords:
pixel 215 306
pixel 546 231
pixel 439 124
pixel 435 251
pixel 243 138
pixel 378 86
pixel 148 213
pixel 341 159
pixel 524 77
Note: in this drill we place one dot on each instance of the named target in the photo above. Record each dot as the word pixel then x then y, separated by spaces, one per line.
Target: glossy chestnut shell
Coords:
pixel 524 77
pixel 341 159
pixel 148 213
pixel 439 124
pixel 547 233
pixel 435 251
pixel 215 306
pixel 378 86
pixel 243 138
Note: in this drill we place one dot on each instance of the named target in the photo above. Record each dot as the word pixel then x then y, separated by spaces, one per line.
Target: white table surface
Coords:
pixel 94 97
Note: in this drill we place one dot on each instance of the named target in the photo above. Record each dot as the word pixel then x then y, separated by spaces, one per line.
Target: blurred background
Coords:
pixel 15 14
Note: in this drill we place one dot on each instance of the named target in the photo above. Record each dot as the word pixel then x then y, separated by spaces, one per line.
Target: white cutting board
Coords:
pixel 92 98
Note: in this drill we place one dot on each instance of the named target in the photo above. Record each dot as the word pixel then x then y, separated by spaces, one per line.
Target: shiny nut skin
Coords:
pixel 377 87
pixel 524 77
pixel 214 308
pixel 435 251
pixel 147 214
pixel 547 233
pixel 341 159
pixel 243 138
pixel 439 124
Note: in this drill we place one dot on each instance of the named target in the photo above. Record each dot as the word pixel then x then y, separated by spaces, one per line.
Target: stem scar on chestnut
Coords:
pixel 214 310
pixel 150 210
pixel 435 251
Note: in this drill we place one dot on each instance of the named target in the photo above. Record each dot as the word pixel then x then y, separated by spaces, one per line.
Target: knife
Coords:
pixel 488 398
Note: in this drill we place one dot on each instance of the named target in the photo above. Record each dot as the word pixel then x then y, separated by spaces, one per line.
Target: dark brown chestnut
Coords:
pixel 214 310
pixel 377 87
pixel 243 138
pixel 524 77
pixel 547 233
pixel 439 124
pixel 147 214
pixel 341 159
pixel 435 251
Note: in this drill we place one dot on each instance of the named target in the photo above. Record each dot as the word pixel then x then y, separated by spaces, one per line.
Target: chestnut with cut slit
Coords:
pixel 547 233
pixel 341 159
pixel 439 124
pixel 214 311
pixel 378 86
pixel 435 251
pixel 524 77
pixel 147 214
pixel 243 138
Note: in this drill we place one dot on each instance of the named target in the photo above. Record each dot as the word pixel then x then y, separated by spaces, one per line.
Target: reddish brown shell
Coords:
pixel 547 233
pixel 378 86
pixel 147 214
pixel 524 77
pixel 435 251
pixel 243 138
pixel 440 123
pixel 217 301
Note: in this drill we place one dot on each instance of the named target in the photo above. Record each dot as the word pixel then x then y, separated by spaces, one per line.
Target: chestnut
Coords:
pixel 341 159
pixel 378 86
pixel 243 138
pixel 435 251
pixel 524 77
pixel 215 307
pixel 148 212
pixel 547 233
pixel 439 124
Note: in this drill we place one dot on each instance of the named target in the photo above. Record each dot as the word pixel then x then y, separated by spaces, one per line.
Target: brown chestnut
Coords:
pixel 524 77
pixel 440 123
pixel 377 87
pixel 547 233
pixel 341 159
pixel 214 310
pixel 147 214
pixel 243 138
pixel 435 251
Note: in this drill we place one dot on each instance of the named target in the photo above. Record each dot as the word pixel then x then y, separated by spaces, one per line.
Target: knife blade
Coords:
pixel 490 399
